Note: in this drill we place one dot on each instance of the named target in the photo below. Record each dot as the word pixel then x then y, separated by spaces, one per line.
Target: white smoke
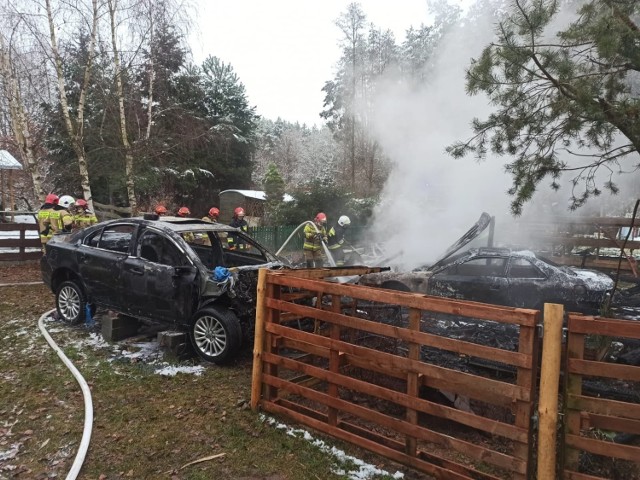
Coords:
pixel 431 199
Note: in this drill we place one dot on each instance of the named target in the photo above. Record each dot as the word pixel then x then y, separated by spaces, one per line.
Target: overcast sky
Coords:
pixel 285 50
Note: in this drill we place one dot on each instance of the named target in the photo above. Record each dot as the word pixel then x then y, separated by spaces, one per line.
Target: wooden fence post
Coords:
pixel 258 345
pixel 549 379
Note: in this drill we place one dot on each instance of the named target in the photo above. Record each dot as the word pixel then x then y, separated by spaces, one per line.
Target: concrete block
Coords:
pixel 118 328
pixel 171 339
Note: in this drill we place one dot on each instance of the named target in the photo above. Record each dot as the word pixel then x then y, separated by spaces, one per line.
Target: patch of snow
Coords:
pixel 172 370
pixel 364 470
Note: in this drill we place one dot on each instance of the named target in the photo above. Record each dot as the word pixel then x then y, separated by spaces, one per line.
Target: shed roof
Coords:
pixel 8 162
pixel 257 194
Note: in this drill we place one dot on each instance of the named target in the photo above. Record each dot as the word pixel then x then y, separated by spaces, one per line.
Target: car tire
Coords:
pixel 215 334
pixel 71 302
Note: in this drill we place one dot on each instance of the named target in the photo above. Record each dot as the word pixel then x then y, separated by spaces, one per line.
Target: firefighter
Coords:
pixel 314 235
pixel 160 210
pixel 61 218
pixel 82 216
pixel 335 239
pixel 212 216
pixel 184 212
pixel 233 241
pixel 44 225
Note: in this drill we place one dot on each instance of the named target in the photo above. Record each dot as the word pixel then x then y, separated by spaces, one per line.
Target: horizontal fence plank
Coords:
pixel 600 447
pixel 373 446
pixel 517 316
pixel 18 243
pixel 603 369
pixel 494 427
pixel 604 406
pixel 18 227
pixel 20 257
pixel 401 426
pixel 453 345
pixel 607 422
pixel 571 475
pixel 603 326
pixel 438 377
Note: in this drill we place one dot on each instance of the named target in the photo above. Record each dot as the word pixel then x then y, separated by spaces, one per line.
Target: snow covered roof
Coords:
pixel 257 194
pixel 8 162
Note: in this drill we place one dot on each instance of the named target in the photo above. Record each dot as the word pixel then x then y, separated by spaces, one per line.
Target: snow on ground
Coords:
pixel 356 469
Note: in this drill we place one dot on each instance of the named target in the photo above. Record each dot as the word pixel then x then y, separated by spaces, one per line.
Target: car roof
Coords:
pixel 177 224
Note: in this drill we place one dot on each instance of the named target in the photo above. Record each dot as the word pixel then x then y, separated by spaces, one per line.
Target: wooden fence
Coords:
pixel 590 419
pixel 20 248
pixel 355 362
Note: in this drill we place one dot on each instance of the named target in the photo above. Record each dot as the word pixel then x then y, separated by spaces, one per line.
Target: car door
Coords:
pixel 100 261
pixel 480 279
pixel 529 287
pixel 159 280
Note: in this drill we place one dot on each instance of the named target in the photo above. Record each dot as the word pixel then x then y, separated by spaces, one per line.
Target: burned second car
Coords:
pixel 501 276
pixel 169 269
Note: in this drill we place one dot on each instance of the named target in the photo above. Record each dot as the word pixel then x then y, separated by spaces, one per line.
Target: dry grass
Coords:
pixel 146 426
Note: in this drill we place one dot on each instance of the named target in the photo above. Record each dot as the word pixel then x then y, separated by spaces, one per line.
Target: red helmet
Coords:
pixel 321 218
pixel 214 212
pixel 51 198
pixel 184 212
pixel 161 210
pixel 239 212
pixel 81 202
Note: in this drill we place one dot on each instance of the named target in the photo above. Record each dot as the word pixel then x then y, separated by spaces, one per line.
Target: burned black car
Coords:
pixel 504 277
pixel 169 269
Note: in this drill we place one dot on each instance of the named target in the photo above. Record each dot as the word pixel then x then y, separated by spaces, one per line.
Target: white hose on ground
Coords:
pixel 88 403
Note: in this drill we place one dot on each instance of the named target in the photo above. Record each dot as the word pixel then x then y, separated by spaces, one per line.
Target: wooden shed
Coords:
pixel 252 201
pixel 7 165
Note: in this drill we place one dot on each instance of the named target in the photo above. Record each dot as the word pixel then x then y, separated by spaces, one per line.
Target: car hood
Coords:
pixel 476 229
pixel 594 279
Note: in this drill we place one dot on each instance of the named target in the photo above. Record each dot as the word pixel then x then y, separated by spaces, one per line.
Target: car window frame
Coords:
pixel 144 228
pixel 543 276
pixel 505 261
pixel 100 232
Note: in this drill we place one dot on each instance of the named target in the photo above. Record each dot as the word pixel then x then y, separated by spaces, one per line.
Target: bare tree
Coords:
pixel 128 163
pixel 20 124
pixel 75 126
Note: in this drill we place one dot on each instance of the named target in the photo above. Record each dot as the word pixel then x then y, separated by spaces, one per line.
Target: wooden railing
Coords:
pixel 354 362
pixel 592 421
pixel 27 248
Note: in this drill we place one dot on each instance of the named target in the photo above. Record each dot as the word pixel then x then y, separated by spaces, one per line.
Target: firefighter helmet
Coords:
pixel 344 221
pixel 214 212
pixel 321 218
pixel 66 201
pixel 161 210
pixel 184 212
pixel 81 202
pixel 51 198
pixel 238 212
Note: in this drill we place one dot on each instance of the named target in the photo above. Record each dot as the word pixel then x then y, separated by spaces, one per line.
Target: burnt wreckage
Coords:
pixel 501 276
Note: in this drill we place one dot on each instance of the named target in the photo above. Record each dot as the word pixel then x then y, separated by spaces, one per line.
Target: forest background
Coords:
pixel 101 100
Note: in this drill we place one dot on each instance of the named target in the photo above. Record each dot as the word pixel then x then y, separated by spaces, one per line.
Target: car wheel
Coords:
pixel 71 302
pixel 216 335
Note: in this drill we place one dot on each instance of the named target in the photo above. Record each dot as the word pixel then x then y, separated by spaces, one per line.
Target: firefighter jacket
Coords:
pixel 336 236
pixel 233 241
pixel 61 219
pixel 44 222
pixel 83 218
pixel 209 219
pixel 313 239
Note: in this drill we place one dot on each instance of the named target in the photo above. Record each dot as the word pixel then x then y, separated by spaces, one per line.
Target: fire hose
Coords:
pixel 88 403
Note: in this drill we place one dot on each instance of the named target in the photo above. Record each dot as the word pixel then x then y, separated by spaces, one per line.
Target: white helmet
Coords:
pixel 344 221
pixel 66 201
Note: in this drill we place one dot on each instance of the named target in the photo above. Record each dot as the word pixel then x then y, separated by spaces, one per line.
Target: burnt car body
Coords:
pixel 162 269
pixel 502 276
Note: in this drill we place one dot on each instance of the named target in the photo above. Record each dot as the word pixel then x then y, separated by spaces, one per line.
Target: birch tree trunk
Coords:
pixel 152 75
pixel 18 118
pixel 128 163
pixel 75 132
